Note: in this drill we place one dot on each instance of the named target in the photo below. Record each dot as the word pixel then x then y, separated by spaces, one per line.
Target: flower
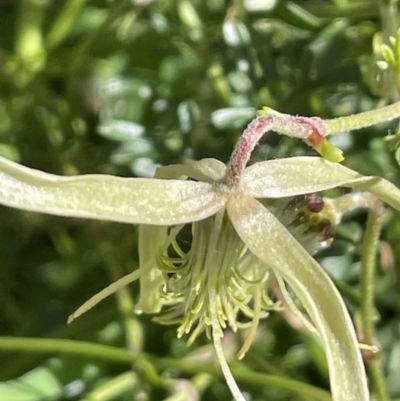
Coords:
pixel 309 220
pixel 236 240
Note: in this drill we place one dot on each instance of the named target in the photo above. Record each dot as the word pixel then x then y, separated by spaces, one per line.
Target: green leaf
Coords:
pixel 36 385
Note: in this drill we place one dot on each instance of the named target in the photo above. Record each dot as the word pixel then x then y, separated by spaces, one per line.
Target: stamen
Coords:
pixel 254 324
pixel 293 308
pixel 218 262
pixel 216 334
pixel 104 293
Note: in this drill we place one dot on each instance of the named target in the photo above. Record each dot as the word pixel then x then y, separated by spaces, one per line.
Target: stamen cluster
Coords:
pixel 239 280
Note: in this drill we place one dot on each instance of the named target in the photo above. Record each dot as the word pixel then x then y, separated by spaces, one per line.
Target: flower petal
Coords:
pixel 302 175
pixel 151 239
pixel 294 176
pixel 207 170
pixel 269 240
pixel 127 200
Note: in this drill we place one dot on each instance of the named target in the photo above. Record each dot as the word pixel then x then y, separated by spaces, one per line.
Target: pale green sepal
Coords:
pixel 206 170
pixel 301 175
pixel 127 200
pixel 151 239
pixel 269 240
pixel 295 176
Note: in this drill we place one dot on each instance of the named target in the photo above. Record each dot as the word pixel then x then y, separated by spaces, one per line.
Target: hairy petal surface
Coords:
pixel 151 240
pixel 269 240
pixel 302 175
pixel 127 200
pixel 295 176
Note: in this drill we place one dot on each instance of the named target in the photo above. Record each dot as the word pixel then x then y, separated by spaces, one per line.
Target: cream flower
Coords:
pixel 236 241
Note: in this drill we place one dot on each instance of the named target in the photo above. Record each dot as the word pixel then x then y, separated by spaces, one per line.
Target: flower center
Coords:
pixel 217 263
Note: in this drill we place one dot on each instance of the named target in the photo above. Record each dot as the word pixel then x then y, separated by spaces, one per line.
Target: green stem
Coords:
pixel 378 378
pixel 341 206
pixel 370 248
pixel 64 22
pixel 70 347
pixel 362 120
pixel 260 379
pixel 370 245
pixel 248 377
pixel 113 354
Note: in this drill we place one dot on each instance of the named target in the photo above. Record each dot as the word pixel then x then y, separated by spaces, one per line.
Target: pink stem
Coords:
pixel 310 129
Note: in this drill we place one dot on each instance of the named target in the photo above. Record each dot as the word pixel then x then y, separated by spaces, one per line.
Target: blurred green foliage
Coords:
pixel 119 87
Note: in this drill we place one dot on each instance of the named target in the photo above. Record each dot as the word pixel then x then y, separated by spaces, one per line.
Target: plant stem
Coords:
pixel 362 120
pixel 113 354
pixel 312 130
pixel 267 120
pixel 370 246
pixel 70 347
pixel 341 206
pixel 249 377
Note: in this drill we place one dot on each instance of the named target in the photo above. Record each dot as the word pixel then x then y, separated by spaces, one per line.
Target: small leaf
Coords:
pixel 190 19
pixel 236 33
pixel 37 385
